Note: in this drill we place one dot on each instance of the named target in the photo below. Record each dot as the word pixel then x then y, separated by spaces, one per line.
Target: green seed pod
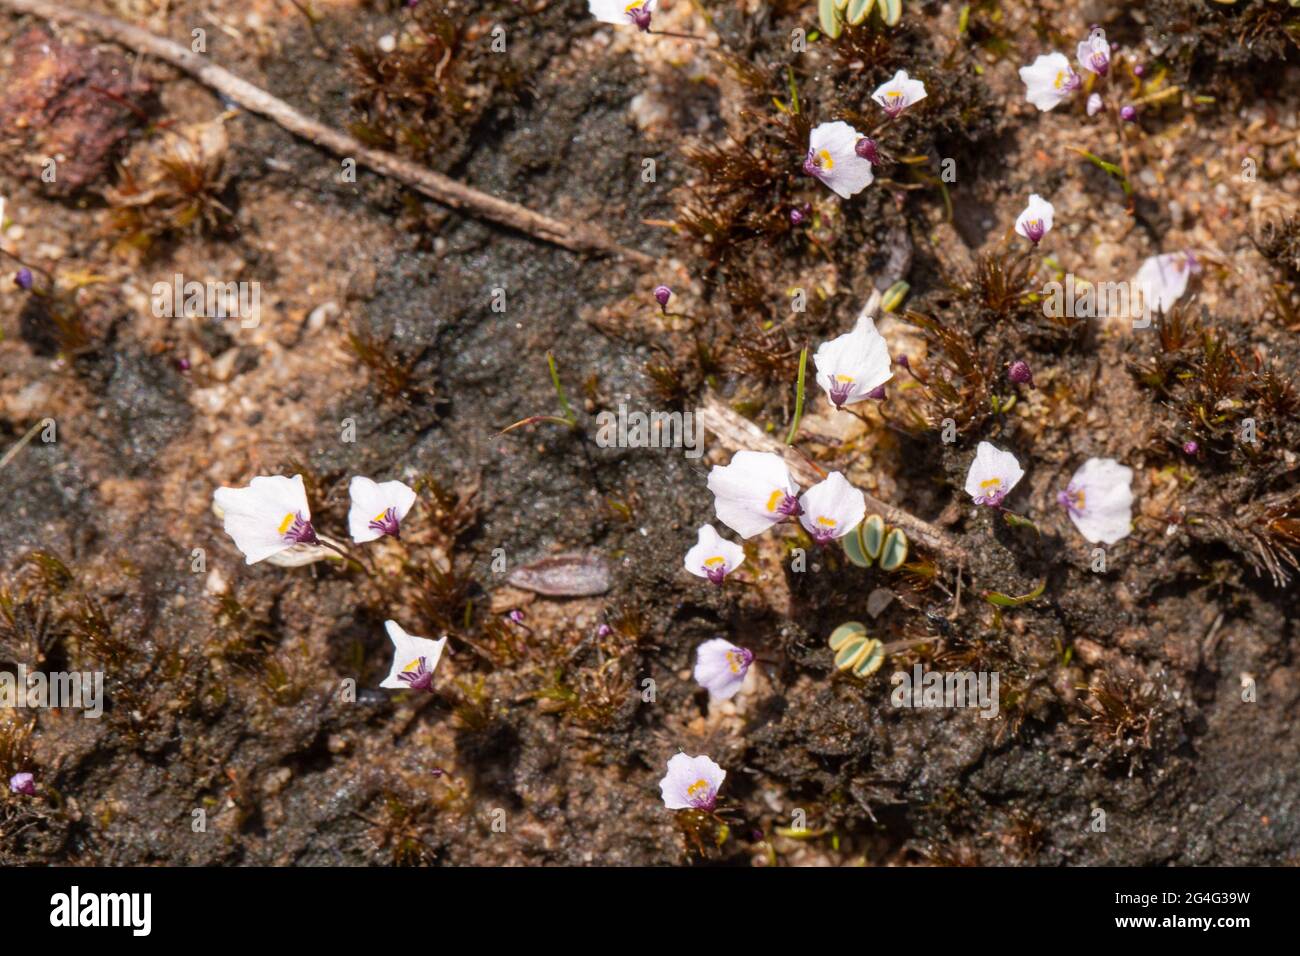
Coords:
pixel 894 552
pixel 873 535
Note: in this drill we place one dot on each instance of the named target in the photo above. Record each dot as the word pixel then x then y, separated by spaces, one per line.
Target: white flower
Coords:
pixel 271 515
pixel 1094 52
pixel 832 508
pixel 691 783
pixel 853 365
pixel 992 475
pixel 713 557
pixel 1036 221
pixel 1099 500
pixel 377 509
pixel 414 660
pixel 1163 279
pixel 754 492
pixel 833 158
pixel 1048 80
pixel 720 668
pixel 899 93
pixel 1095 104
pixel 636 12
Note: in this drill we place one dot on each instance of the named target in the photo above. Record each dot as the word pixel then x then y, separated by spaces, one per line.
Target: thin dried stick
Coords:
pixel 737 432
pixel 580 237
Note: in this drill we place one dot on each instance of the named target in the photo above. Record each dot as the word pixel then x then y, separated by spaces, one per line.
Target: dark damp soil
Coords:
pixel 1146 711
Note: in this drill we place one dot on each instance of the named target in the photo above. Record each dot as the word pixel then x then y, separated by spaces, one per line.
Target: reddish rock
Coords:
pixel 74 104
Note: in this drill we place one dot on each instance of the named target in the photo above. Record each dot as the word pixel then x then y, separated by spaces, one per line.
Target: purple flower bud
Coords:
pixel 517 616
pixel 1095 104
pixel 24 279
pixel 604 630
pixel 1139 69
pixel 866 148
pixel 1190 448
pixel 662 295
pixel 797 216
pixel 1128 114
pixel 877 393
pixel 1020 373
pixel 641 17
pixel 903 360
pixel 183 364
pixel 23 783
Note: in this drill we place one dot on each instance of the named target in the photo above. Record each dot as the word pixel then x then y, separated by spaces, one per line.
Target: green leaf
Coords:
pixel 892 11
pixel 859 10
pixel 849 630
pixel 829 18
pixel 1004 600
pixel 872 656
pixel 873 535
pixel 852 545
pixel 895 550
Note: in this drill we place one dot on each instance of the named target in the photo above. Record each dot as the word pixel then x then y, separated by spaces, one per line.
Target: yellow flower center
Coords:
pixel 635 5
pixel 1060 79
pixel 698 787
pixel 714 561
pixel 824 160
pixel 288 520
pixel 826 522
pixel 733 659
pixel 988 483
pixel 414 665
pixel 777 497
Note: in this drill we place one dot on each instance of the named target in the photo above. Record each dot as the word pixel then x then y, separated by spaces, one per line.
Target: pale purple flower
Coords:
pixel 899 93
pixel 1128 114
pixel 720 667
pixel 753 492
pixel 1049 80
pixel 1190 447
pixel 377 508
pixel 23 783
pixel 268 517
pixel 992 475
pixel 852 366
pixel 1094 52
pixel 833 158
pixel 691 783
pixel 414 660
pixel 1099 500
pixel 1036 220
pixel 832 508
pixel 662 295
pixel 1163 279
pixel 637 12
pixel 713 556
